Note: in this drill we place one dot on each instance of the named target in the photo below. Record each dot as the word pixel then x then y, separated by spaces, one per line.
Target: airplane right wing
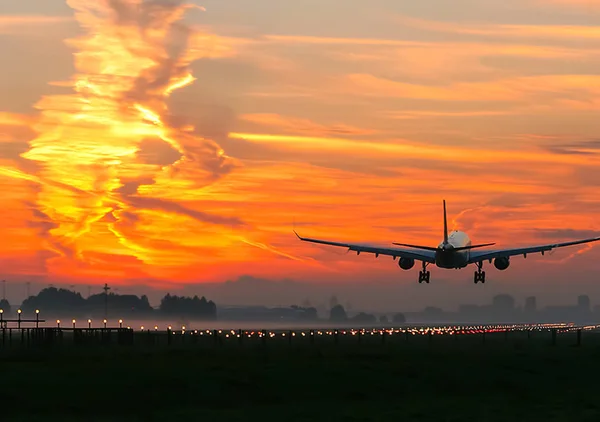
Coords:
pixel 417 255
pixel 505 253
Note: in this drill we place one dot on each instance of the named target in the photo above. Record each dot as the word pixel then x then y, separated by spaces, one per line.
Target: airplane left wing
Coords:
pixel 417 255
pixel 480 256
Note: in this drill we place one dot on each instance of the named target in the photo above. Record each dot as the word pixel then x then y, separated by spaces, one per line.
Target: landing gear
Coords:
pixel 479 275
pixel 424 275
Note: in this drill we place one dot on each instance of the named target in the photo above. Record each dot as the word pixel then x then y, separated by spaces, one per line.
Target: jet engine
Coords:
pixel 501 263
pixel 406 263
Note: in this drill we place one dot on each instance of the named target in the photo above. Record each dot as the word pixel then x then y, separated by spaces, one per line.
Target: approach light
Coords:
pixel 37 311
pixel 19 311
pixel 1 311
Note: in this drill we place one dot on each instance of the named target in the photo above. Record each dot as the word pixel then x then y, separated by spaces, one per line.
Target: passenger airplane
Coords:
pixel 453 252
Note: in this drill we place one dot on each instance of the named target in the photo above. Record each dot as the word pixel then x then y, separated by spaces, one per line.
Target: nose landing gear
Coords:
pixel 479 274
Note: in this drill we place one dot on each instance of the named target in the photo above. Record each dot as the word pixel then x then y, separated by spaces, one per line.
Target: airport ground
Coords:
pixel 419 379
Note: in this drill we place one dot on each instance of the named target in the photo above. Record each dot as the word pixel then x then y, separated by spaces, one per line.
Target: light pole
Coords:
pixel 106 289
pixel 19 313
pixel 37 318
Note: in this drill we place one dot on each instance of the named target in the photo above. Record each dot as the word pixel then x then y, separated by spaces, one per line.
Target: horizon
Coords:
pixel 319 299
pixel 174 148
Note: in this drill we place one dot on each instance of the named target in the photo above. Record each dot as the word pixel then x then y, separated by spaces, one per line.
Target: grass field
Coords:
pixel 422 379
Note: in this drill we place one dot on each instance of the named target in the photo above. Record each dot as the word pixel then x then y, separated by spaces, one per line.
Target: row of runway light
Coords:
pixel 423 331
pixel 436 330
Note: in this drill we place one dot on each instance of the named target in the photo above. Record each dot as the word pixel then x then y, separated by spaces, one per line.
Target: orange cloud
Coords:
pixel 297 125
pixel 504 30
pixel 11 24
pixel 510 90
pixel 412 150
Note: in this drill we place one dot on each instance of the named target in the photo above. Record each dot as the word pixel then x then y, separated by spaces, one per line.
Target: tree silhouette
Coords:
pixel 188 307
pixel 364 318
pixel 338 314
pixel 5 306
pixel 54 300
pixel 399 318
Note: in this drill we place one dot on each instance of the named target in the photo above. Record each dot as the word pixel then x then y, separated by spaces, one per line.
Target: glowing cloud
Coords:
pixel 133 57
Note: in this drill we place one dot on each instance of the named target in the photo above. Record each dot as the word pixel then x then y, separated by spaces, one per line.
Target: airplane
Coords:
pixel 454 252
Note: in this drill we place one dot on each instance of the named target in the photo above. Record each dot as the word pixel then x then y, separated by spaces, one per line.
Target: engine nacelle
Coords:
pixel 501 263
pixel 406 263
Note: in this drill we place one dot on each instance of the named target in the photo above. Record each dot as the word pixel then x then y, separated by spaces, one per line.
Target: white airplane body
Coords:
pixel 454 252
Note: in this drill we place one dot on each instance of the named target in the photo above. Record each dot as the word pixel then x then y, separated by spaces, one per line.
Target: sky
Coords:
pixel 164 146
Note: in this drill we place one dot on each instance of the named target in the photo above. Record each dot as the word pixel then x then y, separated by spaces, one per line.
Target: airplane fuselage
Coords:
pixel 447 257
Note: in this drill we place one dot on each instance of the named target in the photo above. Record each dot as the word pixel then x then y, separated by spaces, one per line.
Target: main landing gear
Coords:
pixel 479 275
pixel 423 274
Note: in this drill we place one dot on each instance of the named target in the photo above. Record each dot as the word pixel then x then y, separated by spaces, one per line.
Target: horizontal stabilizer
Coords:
pixel 426 248
pixel 473 246
pixel 429 248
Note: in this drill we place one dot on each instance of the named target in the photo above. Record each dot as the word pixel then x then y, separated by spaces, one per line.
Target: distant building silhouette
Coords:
pixel 530 304
pixel 503 302
pixel 583 303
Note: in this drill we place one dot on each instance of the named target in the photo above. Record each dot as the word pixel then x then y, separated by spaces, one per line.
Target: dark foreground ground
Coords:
pixel 422 379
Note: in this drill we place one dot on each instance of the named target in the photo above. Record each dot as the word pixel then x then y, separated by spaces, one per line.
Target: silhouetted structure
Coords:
pixel 583 302
pixel 530 304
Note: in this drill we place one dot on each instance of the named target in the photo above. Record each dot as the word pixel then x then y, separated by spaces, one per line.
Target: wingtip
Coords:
pixel 297 235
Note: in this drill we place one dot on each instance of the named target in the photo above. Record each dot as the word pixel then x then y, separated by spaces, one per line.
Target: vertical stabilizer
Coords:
pixel 445 225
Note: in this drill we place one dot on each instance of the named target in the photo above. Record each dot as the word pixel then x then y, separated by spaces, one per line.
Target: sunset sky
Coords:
pixel 169 145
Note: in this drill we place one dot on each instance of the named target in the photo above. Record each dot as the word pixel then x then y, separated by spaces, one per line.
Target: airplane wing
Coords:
pixel 417 255
pixel 501 253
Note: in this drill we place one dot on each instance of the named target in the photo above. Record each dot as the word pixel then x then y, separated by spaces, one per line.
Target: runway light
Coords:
pixel 1 311
pixel 19 311
pixel 37 311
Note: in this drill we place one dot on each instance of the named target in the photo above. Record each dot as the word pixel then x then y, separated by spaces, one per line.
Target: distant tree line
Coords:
pixel 56 302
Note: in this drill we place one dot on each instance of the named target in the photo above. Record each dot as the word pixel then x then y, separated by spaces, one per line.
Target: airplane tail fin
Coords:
pixel 445 225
